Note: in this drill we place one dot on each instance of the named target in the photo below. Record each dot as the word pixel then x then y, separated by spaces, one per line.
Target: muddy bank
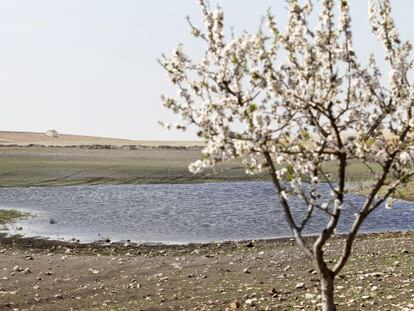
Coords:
pixel 264 275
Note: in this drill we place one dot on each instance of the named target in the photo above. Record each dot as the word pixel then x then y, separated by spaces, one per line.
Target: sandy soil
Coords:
pixel 264 275
pixel 26 138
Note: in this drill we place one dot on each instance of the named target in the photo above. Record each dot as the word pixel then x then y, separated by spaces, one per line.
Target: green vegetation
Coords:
pixel 8 216
pixel 405 193
pixel 36 166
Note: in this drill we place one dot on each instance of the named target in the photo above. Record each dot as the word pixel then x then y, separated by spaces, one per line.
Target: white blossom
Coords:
pixel 293 100
pixel 290 100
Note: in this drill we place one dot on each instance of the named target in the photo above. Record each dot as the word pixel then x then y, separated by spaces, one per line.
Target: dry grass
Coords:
pixel 27 138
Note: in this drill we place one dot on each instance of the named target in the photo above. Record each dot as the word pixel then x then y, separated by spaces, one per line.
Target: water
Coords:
pixel 176 213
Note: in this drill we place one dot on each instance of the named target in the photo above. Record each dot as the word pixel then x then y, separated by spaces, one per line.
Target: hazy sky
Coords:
pixel 89 66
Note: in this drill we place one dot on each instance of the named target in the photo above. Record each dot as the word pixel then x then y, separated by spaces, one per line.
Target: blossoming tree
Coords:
pixel 289 101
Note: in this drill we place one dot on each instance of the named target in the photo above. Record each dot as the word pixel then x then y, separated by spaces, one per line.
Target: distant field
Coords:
pixel 27 138
pixel 56 166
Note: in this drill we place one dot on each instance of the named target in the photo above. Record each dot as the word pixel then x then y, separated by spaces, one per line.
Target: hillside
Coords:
pixel 27 138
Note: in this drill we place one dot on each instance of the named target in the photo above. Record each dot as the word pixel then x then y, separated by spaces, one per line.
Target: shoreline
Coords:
pixel 12 233
pixel 195 181
pixel 260 275
pixel 42 243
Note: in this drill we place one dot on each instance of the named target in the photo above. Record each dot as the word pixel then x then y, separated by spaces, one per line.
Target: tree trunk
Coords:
pixel 327 292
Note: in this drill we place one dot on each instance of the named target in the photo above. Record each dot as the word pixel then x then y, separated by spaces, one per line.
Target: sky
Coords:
pixel 90 67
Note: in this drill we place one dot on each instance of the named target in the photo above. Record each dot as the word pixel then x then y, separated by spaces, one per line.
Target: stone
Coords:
pixel 309 296
pixel 235 305
pixel 272 291
pixel 93 271
pixel 251 302
pixel 249 244
pixel 300 285
pixel 27 271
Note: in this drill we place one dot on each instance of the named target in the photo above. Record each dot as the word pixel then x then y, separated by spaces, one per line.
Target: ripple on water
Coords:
pixel 177 213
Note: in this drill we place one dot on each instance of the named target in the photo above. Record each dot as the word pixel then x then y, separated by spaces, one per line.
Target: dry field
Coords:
pixel 34 159
pixel 57 166
pixel 27 138
pixel 266 275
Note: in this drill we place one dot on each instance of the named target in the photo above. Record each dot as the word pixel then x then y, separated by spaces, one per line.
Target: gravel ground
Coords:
pixel 264 275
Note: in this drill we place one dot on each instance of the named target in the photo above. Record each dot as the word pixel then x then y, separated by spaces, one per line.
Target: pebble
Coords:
pixel 300 285
pixel 272 291
pixel 251 302
pixel 235 305
pixel 246 270
pixel 27 271
pixel 249 244
pixel 309 296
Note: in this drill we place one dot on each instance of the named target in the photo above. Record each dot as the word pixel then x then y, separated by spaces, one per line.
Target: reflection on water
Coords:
pixel 176 213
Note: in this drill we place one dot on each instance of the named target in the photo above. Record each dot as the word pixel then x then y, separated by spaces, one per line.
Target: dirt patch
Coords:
pixel 264 275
